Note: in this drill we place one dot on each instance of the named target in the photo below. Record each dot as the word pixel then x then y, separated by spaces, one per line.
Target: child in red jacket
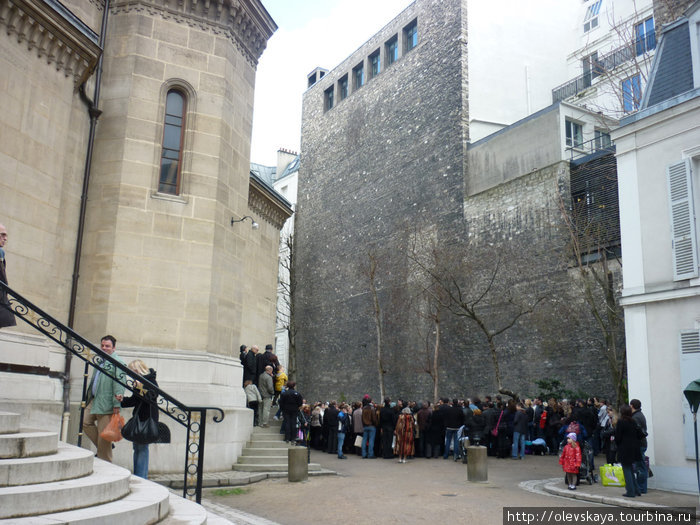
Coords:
pixel 570 460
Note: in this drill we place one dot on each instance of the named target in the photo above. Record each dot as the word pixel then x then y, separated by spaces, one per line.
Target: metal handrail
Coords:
pixel 194 418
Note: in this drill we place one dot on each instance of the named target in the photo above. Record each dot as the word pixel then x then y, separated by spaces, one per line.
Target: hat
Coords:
pixel 268 347
pixel 571 436
pixel 406 411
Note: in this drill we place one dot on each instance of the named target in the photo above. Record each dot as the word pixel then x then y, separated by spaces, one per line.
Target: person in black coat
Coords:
pixel 628 438
pixel 290 401
pixel 330 420
pixel 387 422
pixel 143 411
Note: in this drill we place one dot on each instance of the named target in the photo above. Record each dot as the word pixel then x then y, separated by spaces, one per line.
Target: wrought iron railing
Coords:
pixel 606 63
pixel 194 419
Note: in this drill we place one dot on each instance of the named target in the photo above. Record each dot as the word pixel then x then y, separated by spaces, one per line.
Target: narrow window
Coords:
pixel 631 93
pixel 392 50
pixel 173 133
pixel 374 64
pixel 645 37
pixel 328 98
pixel 358 76
pixel 591 69
pixel 591 19
pixel 574 134
pixel 410 33
pixel 343 88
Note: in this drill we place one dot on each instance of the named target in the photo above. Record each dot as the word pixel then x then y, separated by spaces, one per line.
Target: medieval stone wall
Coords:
pixel 387 166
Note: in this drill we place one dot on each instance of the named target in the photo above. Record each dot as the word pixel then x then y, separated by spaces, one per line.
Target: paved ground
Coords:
pixel 420 491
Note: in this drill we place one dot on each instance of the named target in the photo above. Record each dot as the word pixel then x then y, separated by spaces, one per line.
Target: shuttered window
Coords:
pixel 683 232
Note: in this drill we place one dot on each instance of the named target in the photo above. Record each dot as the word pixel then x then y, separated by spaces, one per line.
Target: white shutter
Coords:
pixel 684 242
pixel 690 371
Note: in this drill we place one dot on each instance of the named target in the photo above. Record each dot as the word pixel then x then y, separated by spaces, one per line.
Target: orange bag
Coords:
pixel 113 430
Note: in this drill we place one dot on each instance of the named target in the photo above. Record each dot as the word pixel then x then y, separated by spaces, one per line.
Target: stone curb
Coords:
pixel 606 500
pixel 229 479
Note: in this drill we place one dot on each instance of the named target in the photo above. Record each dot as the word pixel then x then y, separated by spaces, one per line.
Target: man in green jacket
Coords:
pixel 103 399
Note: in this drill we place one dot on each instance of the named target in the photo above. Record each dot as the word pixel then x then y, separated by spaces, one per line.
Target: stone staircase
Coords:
pixel 267 452
pixel 44 481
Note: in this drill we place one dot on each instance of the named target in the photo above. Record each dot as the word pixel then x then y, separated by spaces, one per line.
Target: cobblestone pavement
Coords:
pixel 420 491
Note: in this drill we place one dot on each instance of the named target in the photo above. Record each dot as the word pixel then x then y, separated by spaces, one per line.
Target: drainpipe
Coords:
pixel 94 112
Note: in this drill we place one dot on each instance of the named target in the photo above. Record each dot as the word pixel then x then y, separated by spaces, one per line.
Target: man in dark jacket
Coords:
pixel 453 419
pixel 520 421
pixel 290 401
pixel 641 466
pixel 330 420
pixel 387 422
pixel 370 420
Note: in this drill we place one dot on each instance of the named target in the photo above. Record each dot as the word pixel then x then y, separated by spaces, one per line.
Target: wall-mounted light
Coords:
pixel 253 224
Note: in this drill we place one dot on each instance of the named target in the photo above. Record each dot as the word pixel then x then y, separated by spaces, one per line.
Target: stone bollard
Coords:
pixel 477 470
pixel 297 466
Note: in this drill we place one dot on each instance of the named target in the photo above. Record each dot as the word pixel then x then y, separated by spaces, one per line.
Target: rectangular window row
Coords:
pixel 373 66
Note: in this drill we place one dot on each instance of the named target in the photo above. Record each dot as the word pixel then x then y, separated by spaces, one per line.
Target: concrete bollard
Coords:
pixel 477 469
pixel 297 466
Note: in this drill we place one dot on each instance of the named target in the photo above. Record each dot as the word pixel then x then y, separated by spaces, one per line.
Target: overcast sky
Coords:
pixel 312 33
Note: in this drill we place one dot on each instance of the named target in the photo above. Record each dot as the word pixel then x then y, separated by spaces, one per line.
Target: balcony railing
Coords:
pixel 606 63
pixel 598 145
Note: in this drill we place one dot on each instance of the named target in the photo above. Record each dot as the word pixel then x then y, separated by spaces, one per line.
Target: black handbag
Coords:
pixel 141 431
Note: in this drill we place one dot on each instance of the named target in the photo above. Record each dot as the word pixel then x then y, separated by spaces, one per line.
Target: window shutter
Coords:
pixel 684 241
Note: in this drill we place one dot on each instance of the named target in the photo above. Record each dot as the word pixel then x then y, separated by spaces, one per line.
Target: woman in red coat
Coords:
pixel 570 460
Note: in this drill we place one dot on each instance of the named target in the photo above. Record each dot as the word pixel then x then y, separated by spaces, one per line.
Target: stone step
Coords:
pixel 67 463
pixel 270 467
pixel 107 483
pixel 255 460
pixel 28 444
pixel 259 451
pixel 266 443
pixel 145 503
pixel 185 511
pixel 9 423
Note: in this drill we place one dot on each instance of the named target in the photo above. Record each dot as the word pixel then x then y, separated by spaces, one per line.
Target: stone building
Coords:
pixel 160 258
pixel 386 159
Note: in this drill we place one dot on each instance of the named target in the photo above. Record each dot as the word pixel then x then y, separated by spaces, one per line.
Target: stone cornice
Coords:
pixel 263 203
pixel 54 33
pixel 245 22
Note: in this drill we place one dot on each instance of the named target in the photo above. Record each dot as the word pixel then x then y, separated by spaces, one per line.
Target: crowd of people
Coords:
pixel 510 428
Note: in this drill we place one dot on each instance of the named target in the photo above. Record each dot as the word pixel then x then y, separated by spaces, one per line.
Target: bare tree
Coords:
pixel 371 273
pixel 590 246
pixel 426 307
pixel 285 305
pixel 488 294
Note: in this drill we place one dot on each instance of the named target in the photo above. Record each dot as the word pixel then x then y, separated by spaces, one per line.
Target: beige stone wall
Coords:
pixel 165 271
pixel 43 130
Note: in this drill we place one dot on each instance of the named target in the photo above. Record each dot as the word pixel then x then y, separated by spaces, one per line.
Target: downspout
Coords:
pixel 94 112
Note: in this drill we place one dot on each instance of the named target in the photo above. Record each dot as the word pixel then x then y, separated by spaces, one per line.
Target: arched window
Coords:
pixel 173 135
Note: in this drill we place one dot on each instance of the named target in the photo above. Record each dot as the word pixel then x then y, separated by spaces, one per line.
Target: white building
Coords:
pixel 284 179
pixel 609 68
pixel 658 151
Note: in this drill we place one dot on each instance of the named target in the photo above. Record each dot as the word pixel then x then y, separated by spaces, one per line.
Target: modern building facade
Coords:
pixel 658 152
pixel 163 262
pixel 608 69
